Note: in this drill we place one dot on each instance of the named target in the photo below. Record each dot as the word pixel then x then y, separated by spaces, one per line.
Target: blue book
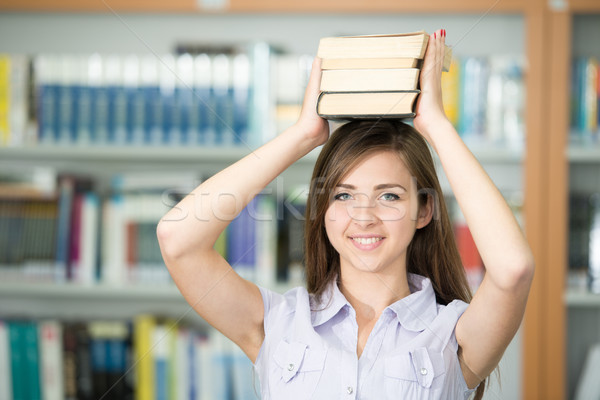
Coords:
pixel 46 70
pixel 161 357
pixel 63 232
pixel 99 120
pixel 473 94
pixel 99 360
pixel 201 102
pixel 67 101
pixel 222 116
pixel 241 99
pixel 136 102
pixel 184 92
pixel 241 241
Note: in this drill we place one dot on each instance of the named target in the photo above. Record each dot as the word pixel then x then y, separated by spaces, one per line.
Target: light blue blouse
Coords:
pixel 309 351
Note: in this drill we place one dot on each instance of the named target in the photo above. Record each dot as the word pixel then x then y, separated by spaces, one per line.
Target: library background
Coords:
pixel 104 125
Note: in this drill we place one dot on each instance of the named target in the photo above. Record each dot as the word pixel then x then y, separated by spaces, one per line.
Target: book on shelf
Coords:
pixel 585 99
pixel 149 357
pixel 588 386
pixel 584 243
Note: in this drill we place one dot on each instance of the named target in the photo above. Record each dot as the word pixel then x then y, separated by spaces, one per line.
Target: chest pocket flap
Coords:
pixel 297 357
pixel 419 365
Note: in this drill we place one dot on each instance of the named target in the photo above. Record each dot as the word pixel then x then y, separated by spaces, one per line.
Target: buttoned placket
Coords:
pixel 349 367
pixel 373 346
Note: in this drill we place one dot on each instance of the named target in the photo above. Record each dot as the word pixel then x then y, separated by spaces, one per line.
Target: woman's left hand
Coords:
pixel 429 107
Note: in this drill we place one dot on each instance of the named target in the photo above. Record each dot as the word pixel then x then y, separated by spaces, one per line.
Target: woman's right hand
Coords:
pixel 310 124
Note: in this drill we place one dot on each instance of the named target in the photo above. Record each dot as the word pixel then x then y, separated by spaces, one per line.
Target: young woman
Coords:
pixel 387 312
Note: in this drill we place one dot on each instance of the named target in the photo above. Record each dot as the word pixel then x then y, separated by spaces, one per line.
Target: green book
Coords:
pixel 32 360
pixel 17 360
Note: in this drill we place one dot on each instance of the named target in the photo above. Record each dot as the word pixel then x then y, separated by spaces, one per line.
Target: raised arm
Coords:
pixel 495 313
pixel 189 231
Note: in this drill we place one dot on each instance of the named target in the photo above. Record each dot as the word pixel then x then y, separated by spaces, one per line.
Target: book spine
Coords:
pixel 85 87
pixel 170 125
pixel 18 360
pixel 451 92
pixel 84 373
pixel 116 362
pixel 222 113
pixel 184 93
pixel 66 193
pixel 146 377
pixel 69 346
pixel 241 99
pixel 5 362
pixel 594 244
pixel 32 361
pixel 5 99
pixel 161 354
pixel 19 101
pixel 99 357
pixel 202 111
pixel 86 273
pixel 136 102
pixel 51 356
pixel 46 69
pixel 153 108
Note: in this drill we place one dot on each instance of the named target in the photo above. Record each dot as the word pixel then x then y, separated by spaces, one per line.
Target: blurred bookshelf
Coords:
pixel 101 162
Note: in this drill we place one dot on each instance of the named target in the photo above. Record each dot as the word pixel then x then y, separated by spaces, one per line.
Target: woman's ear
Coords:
pixel 425 212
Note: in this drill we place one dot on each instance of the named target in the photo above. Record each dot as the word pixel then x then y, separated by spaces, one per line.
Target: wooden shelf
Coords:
pixel 187 155
pixel 266 6
pixel 575 298
pixel 72 301
pixel 584 6
pixel 69 301
pixel 584 154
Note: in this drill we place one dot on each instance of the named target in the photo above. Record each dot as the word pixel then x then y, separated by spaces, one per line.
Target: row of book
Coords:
pixel 213 99
pixel 75 234
pixel 585 99
pixel 584 242
pixel 147 358
pixel 178 100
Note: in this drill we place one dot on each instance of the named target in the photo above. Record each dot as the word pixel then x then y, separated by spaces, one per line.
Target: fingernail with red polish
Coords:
pixel 443 30
pixel 434 35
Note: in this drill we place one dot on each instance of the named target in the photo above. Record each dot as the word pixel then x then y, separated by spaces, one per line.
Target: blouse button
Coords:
pixel 350 390
pixel 423 371
pixel 291 367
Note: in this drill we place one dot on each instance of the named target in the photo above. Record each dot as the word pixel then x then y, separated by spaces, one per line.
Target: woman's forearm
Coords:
pixel 499 239
pixel 197 221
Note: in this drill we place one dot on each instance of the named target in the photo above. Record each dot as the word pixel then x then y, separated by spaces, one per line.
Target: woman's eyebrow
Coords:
pixel 389 185
pixel 377 187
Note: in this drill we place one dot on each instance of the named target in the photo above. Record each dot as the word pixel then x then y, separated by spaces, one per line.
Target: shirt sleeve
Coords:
pixel 460 307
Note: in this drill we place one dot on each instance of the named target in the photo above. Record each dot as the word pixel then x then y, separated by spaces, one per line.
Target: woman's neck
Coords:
pixel 370 293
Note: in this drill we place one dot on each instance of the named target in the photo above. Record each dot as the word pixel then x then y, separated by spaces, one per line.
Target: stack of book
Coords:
pixel 372 76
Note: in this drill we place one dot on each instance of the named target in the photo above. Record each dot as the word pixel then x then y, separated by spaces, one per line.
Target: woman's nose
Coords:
pixel 363 211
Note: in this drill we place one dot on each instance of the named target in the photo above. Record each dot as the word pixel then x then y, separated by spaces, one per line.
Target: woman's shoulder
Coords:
pixel 286 302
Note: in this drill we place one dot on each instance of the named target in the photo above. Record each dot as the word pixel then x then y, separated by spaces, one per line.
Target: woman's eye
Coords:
pixel 390 196
pixel 342 196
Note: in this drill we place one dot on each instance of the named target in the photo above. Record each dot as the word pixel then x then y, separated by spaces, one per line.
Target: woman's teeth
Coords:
pixel 370 240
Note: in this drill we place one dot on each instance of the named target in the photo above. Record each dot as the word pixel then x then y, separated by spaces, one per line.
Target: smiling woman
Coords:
pixel 387 312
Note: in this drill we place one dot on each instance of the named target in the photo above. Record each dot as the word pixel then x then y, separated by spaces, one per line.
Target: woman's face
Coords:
pixel 374 214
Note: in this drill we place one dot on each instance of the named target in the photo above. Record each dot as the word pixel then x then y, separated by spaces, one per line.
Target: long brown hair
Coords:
pixel 432 252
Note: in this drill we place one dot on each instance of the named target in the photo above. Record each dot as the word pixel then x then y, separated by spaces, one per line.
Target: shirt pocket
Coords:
pixel 295 370
pixel 418 374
